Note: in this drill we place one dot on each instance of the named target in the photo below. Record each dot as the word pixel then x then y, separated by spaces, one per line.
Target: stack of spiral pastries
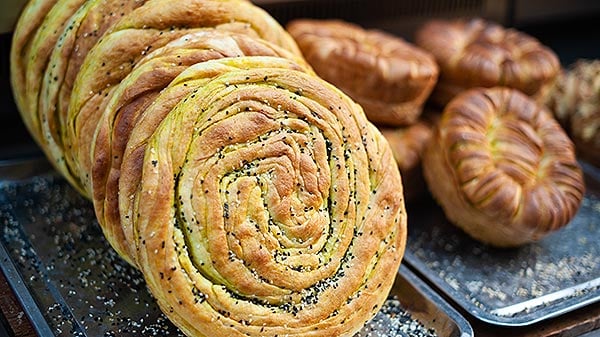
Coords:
pixel 256 198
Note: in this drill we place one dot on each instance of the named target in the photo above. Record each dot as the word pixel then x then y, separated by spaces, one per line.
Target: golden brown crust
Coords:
pixel 260 193
pixel 575 102
pixel 502 168
pixel 255 197
pixel 143 30
pixel 389 77
pixel 47 54
pixel 408 144
pixel 40 29
pixel 132 99
pixel 477 53
pixel 23 37
pixel 52 45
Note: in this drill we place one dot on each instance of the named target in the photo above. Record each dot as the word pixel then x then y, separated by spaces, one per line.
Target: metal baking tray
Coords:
pixel 512 287
pixel 71 283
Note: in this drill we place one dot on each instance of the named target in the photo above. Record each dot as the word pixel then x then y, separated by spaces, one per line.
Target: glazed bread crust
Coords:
pixel 502 168
pixel 477 53
pixel 389 77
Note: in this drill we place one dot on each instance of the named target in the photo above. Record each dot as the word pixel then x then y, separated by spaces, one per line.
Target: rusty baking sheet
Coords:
pixel 512 287
pixel 73 284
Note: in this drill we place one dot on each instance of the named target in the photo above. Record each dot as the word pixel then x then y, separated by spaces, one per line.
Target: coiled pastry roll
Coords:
pixel 130 105
pixel 267 205
pixel 248 191
pixel 68 55
pixel 475 53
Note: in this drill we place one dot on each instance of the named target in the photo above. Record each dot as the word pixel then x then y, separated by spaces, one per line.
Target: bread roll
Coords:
pixel 478 53
pixel 502 168
pixel 131 105
pixel 389 77
pixel 575 101
pixel 283 214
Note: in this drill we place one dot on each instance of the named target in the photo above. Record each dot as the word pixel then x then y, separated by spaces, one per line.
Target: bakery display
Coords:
pixel 255 197
pixel 408 144
pixel 502 168
pixel 233 165
pixel 478 53
pixel 388 76
pixel 575 102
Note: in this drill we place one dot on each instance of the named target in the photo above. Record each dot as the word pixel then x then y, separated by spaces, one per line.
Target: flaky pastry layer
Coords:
pixel 575 102
pixel 255 197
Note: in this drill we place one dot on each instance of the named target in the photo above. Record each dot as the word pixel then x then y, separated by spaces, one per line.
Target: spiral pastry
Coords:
pixel 248 191
pixel 502 168
pixel 132 98
pixel 100 42
pixel 267 213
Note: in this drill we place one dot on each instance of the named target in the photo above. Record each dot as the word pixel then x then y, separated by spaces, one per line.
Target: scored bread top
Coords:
pixel 369 65
pixel 479 53
pixel 502 167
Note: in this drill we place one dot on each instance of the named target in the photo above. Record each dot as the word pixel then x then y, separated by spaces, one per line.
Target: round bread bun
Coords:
pixel 502 168
pixel 268 213
pixel 575 102
pixel 477 53
pixel 389 77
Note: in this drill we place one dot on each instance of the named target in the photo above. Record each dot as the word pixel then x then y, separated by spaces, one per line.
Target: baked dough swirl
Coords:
pixel 502 168
pixel 255 197
pixel 267 213
pixel 68 55
pixel 130 106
